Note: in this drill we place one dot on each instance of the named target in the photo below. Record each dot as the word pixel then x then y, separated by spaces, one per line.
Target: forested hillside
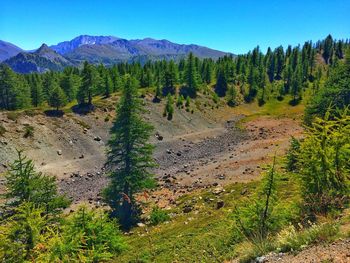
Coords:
pixel 242 159
pixel 240 79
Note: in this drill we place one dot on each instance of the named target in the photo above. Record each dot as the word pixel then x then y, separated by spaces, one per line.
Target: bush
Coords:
pixel 323 164
pixel 86 236
pixel 13 116
pixel 2 130
pixel 158 216
pixel 292 155
pixel 28 131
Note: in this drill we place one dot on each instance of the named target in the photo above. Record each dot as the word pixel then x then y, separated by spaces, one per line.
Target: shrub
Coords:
pixel 13 116
pixel 2 130
pixel 158 216
pixel 215 98
pixel 323 164
pixel 292 155
pixel 86 236
pixel 28 131
pixel 21 233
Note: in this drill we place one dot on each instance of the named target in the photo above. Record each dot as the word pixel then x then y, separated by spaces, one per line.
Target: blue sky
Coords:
pixel 234 26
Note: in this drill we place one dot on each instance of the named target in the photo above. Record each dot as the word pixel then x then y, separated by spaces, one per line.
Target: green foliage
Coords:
pixel 2 130
pixel 215 98
pixel 22 233
pixel 323 163
pixel 86 236
pixel 334 94
pixel 180 101
pixel 191 76
pixel 24 184
pixel 231 96
pixel 129 156
pixel 169 107
pixel 257 219
pixel 292 155
pixel 158 216
pixel 89 85
pixel 28 131
pixel 57 97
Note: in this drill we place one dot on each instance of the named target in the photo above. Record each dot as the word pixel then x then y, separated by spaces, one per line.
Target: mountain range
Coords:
pixel 107 50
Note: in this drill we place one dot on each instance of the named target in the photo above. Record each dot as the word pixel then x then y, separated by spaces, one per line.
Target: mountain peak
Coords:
pixel 44 49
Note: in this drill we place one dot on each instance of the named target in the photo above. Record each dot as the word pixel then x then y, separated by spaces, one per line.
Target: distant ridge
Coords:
pixel 107 50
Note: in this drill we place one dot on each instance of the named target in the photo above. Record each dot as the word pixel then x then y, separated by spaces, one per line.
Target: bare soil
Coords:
pixel 197 150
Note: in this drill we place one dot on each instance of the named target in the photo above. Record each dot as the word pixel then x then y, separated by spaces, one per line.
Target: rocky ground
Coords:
pixel 194 151
pixel 337 252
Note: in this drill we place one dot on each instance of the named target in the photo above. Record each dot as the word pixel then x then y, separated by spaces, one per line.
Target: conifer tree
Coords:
pixel 191 76
pixel 129 156
pixel 90 82
pixel 57 98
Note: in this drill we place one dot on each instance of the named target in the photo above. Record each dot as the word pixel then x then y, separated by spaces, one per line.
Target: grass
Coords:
pixel 203 235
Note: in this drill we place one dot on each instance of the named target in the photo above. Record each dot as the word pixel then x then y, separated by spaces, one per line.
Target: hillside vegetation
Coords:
pixel 196 166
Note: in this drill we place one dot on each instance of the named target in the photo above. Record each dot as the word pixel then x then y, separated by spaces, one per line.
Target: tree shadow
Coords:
pixel 54 113
pixel 185 91
pixel 83 109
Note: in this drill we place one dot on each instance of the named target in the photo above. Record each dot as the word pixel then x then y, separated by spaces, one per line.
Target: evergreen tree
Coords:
pixel 108 85
pixel 70 84
pixel 129 157
pixel 191 76
pixel 221 83
pixel 90 82
pixel 57 98
pixel 24 184
pixel 169 107
pixel 231 96
pixel 327 48
pixel 36 90
pixel 170 79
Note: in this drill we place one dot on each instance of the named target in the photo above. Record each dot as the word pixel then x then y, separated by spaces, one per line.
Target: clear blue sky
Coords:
pixel 228 25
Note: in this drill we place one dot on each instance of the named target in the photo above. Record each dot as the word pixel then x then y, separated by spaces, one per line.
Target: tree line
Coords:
pixel 253 75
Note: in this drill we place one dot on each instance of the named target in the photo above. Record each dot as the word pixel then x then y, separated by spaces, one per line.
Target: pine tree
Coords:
pixel 108 85
pixel 170 79
pixel 327 49
pixel 24 184
pixel 231 96
pixel 90 82
pixel 221 83
pixel 191 76
pixel 129 157
pixel 169 107
pixel 36 90
pixel 57 98
pixel 70 84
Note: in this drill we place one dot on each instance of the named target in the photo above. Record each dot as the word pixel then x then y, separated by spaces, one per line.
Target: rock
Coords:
pixel 218 190
pixel 97 138
pixel 261 259
pixel 141 225
pixel 159 137
pixel 187 209
pixel 178 153
pixel 59 152
pixel 81 156
pixel 244 191
pixel 219 204
pixel 168 151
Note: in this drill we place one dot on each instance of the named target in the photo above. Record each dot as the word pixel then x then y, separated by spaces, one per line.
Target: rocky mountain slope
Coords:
pixel 98 49
pixel 41 60
pixel 8 50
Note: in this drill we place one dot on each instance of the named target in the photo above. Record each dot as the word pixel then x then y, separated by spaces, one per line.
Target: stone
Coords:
pixel 219 204
pixel 97 138
pixel 59 152
pixel 187 209
pixel 218 190
pixel 141 224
